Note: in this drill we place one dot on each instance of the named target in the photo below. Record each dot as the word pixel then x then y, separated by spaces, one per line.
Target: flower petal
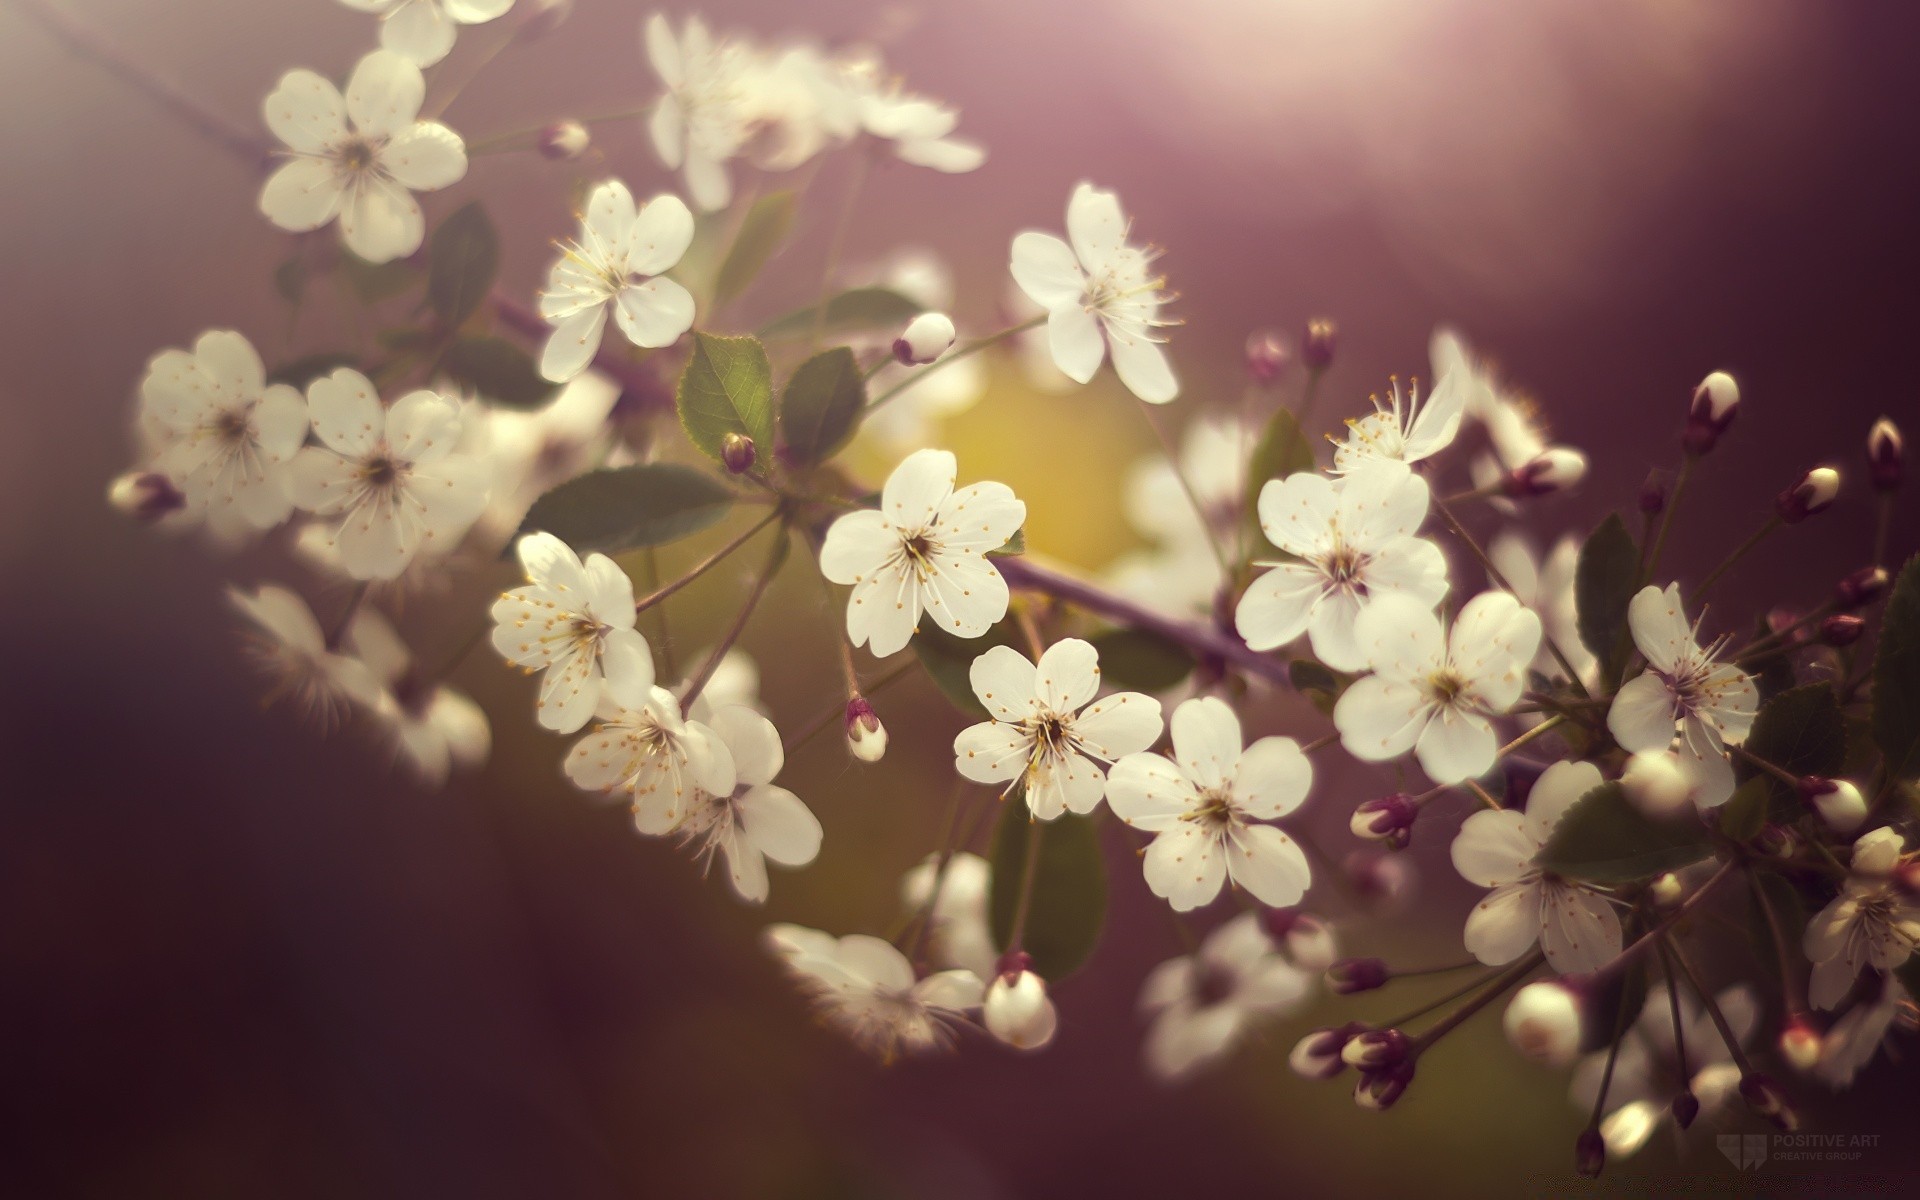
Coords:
pixel 1505 924
pixel 426 157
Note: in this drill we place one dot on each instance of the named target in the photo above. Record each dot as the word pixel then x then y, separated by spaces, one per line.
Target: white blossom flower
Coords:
pixel 917 128
pixel 1712 704
pixel 1203 804
pixel 575 621
pixel 392 475
pixel 293 652
pixel 1546 585
pixel 1401 428
pixel 865 988
pixel 615 265
pixel 1646 1075
pixel 1574 924
pixel 225 437
pixel 756 821
pixel 958 933
pixel 533 452
pixel 1203 1004
pixel 422 31
pixel 1871 924
pixel 1517 437
pixel 359 158
pixel 924 549
pixel 1100 295
pixel 1354 539
pixel 704 118
pixel 735 680
pixel 1180 575
pixel 433 727
pixel 1853 1040
pixel 793 105
pixel 1432 692
pixel 661 759
pixel 1048 733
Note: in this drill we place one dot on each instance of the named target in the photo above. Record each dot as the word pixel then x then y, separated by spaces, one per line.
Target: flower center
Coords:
pixel 1446 687
pixel 381 472
pixel 1343 565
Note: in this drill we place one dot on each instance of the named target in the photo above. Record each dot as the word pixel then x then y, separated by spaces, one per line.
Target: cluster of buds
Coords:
pixel 1319 1054
pixel 1715 403
pixel 1813 493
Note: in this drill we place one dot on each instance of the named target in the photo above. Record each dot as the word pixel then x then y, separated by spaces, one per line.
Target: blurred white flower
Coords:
pixel 575 622
pixel 1646 1076
pixel 704 118
pixel 1547 587
pixel 292 650
pixel 1711 704
pixel 1204 1004
pixel 1018 1012
pixel 1516 436
pixel 757 820
pixel 1871 924
pixel 924 549
pixel 1861 1031
pixel 958 934
pixel 393 476
pixel 1180 574
pixel 1355 541
pixel 433 727
pixel 1048 733
pixel 359 158
pixel 616 264
pixel 659 758
pixel 1401 428
pixel 865 988
pixel 1434 692
pixel 1100 296
pixel 422 31
pixel 533 452
pixel 225 437
pixel 1202 806
pixel 917 128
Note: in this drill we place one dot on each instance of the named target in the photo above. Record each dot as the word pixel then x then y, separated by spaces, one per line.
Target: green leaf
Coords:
pixel 1742 816
pixel 1281 451
pixel 304 370
pixel 762 232
pixel 1801 730
pixel 1896 676
pixel 290 280
pixel 1136 660
pixel 1316 682
pixel 499 370
pixel 374 282
pixel 461 262
pixel 1617 1001
pixel 1909 975
pixel 1603 586
pixel 949 662
pixel 628 507
pixel 821 407
pixel 857 309
pixel 1069 900
pixel 727 387
pixel 1015 546
pixel 1605 839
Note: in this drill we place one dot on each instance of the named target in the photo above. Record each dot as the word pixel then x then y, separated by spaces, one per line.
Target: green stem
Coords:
pixel 707 564
pixel 1713 1008
pixel 775 556
pixel 973 347
pixel 1713 576
pixel 1029 869
pixel 1494 991
pixel 1666 518
pixel 1500 581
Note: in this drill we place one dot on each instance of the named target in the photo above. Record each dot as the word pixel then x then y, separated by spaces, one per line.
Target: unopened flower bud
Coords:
pixel 1590 1153
pixel 925 338
pixel 737 451
pixel 1715 403
pixel 866 736
pixel 1775 841
pixel 1657 784
pixel 1886 455
pixel 1800 1044
pixel 1379 1090
pixel 1378 877
pixel 1316 348
pixel 1308 940
pixel 1653 496
pixel 1838 802
pixel 1388 819
pixel 1267 356
pixel 1372 1049
pixel 1812 494
pixel 1351 975
pixel 1317 1055
pixel 1666 890
pixel 1543 1022
pixel 1018 1012
pixel 1861 588
pixel 1842 629
pixel 145 495
pixel 1552 470
pixel 1767 1099
pixel 1686 1106
pixel 564 141
pixel 542 18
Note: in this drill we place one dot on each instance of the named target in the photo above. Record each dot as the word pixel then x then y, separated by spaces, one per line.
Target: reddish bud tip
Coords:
pixel 1886 455
pixel 1842 629
pixel 1267 356
pixel 1590 1153
pixel 1316 348
pixel 1861 588
pixel 737 451
pixel 1351 975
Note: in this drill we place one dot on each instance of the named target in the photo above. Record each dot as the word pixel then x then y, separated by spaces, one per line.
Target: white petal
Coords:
pixel 1005 680
pixel 1494 849
pixel 1557 789
pixel 426 157
pixel 965 594
pixel 779 825
pixel 422 425
pixel 1124 723
pixel 753 741
pixel 918 487
pixel 857 545
pixel 1641 717
pixel 659 235
pixel 306 111
pixel 1142 365
pixel 418 31
pixel 626 663
pixel 381 221
pixel 1185 866
pixel 1504 925
pixel 1148 792
pixel 1379 719
pixel 346 412
pixel 1277 606
pixel 1456 745
pixel 1044 268
pixel 1268 864
pixel 384 94
pixel 1579 930
pixel 303 194
pixel 1206 740
pixel 1067 675
pixel 1096 226
pixel 1073 337
pixel 572 344
pixel 991 752
pixel 654 313
pixel 1272 779
pixel 1659 625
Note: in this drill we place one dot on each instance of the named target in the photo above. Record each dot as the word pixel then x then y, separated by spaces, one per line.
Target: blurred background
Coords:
pixel 238 961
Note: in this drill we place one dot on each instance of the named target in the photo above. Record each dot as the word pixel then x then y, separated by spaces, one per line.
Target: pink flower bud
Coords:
pixel 738 453
pixel 1267 356
pixel 1018 1012
pixel 1553 470
pixel 1590 1153
pixel 564 141
pixel 1861 588
pixel 1685 1107
pixel 1388 819
pixel 1800 1044
pixel 1886 455
pixel 145 495
pixel 1316 348
pixel 1317 1055
pixel 1380 1090
pixel 1812 494
pixel 1715 403
pixel 1543 1022
pixel 1351 975
pixel 1373 1049
pixel 1838 802
pixel 1653 496
pixel 926 338
pixel 866 736
pixel 1842 629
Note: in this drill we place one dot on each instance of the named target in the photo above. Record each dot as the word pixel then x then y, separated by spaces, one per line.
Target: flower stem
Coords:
pixel 1774 769
pixel 1793 1001
pixel 856 179
pixel 1028 871
pixel 776 555
pixel 1679 1025
pixel 663 634
pixel 1641 944
pixel 973 347
pixel 1186 486
pixel 1500 581
pixel 826 717
pixel 1474 984
pixel 1652 563
pixel 1712 1006
pixel 1759 535
pixel 707 564
pixel 1613 1054
pixel 1494 991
